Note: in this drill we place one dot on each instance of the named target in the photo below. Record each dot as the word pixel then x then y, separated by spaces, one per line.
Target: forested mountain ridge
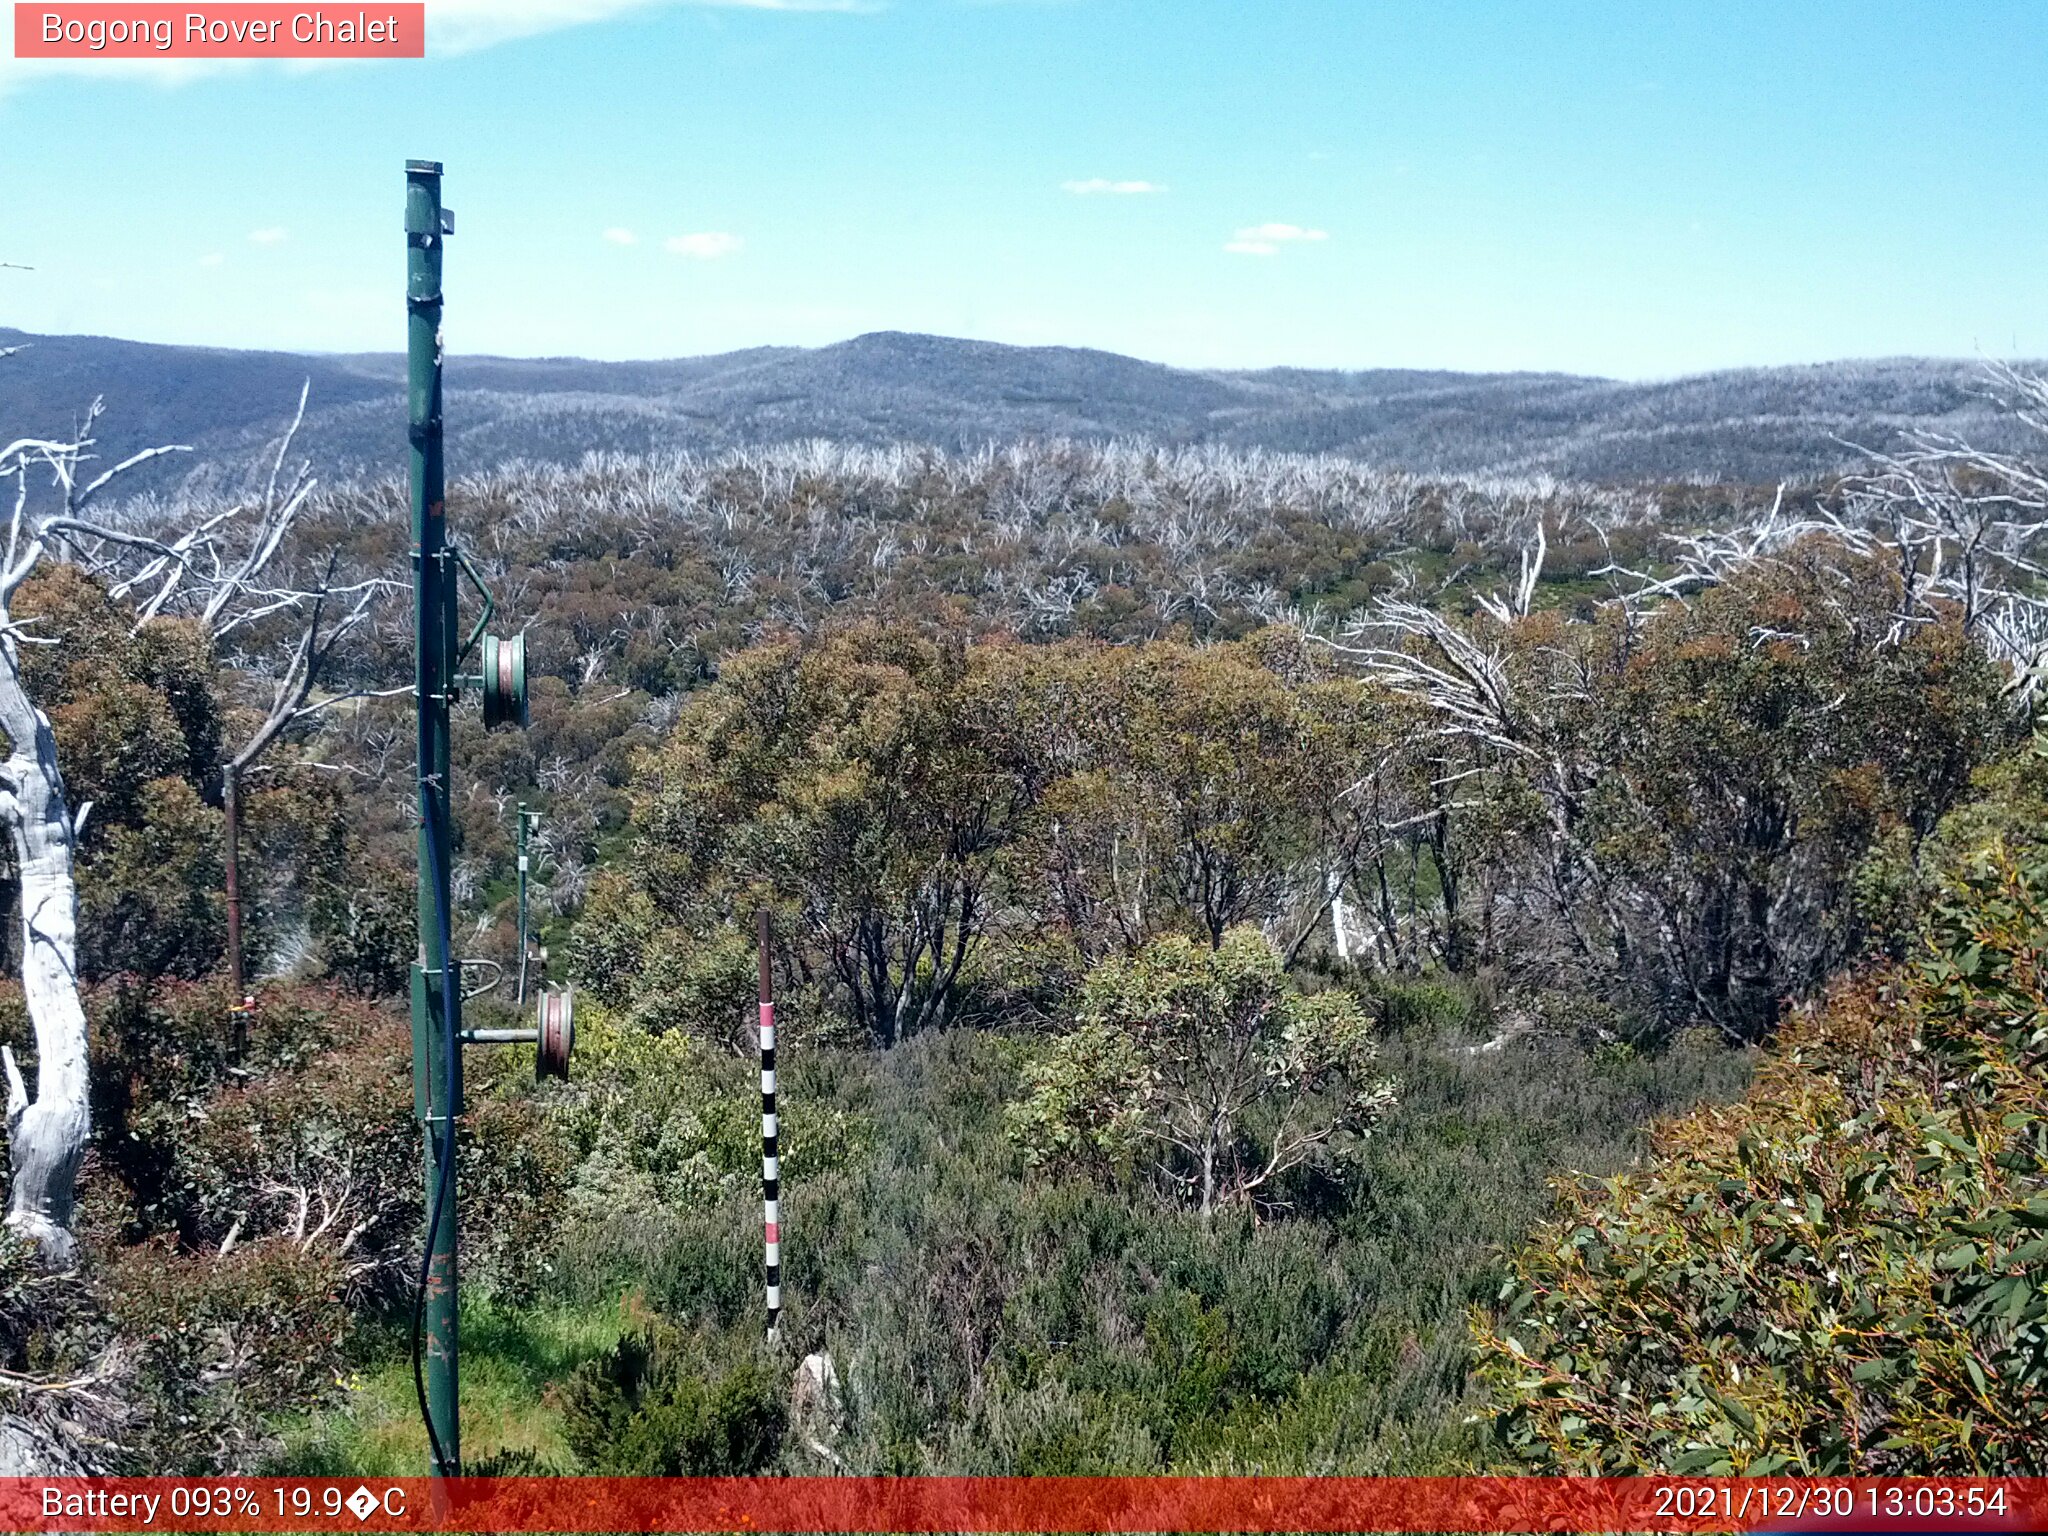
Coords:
pixel 891 387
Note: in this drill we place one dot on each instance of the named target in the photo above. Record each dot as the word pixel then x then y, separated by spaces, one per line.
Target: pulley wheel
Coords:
pixel 557 1035
pixel 504 663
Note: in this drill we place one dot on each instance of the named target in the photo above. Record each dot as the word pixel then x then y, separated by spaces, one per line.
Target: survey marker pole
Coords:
pixel 771 1163
pixel 436 987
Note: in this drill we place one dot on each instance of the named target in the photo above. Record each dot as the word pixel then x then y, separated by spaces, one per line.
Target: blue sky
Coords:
pixel 1618 188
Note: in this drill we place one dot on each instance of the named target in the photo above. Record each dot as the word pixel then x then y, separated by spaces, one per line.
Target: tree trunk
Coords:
pixel 1340 938
pixel 47 1137
pixel 231 832
pixel 1457 933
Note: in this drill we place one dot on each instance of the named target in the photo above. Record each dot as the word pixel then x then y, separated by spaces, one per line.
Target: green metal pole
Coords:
pixel 436 997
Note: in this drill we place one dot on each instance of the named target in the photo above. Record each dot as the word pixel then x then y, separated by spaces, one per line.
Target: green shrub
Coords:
pixel 197 1144
pixel 1211 1063
pixel 224 1345
pixel 1084 1102
pixel 649 1408
pixel 149 895
pixel 1842 1273
pixel 515 1169
pixel 614 933
pixel 1428 1006
pixel 50 1322
pixel 311 1139
pixel 366 924
pixel 706 988
pixel 1022 977
pixel 661 1125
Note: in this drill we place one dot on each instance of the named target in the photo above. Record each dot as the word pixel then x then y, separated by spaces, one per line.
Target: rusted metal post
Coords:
pixel 231 827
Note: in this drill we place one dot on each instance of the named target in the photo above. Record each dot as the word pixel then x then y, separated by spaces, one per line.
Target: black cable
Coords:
pixel 444 1180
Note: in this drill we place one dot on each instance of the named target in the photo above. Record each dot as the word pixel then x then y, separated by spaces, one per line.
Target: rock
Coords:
pixel 816 1409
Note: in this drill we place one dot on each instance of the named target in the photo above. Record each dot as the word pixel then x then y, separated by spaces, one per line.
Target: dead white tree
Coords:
pixel 1506 607
pixel 224 572
pixel 1968 528
pixel 47 1133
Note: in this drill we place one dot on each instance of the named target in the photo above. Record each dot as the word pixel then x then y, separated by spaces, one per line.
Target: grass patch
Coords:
pixel 511 1361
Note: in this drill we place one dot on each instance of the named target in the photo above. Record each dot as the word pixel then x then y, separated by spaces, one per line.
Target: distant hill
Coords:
pixel 1749 425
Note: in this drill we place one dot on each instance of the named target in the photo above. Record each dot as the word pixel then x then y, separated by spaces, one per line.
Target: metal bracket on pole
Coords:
pixel 483 620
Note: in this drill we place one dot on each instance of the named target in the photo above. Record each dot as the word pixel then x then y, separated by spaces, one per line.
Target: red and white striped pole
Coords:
pixel 771 1172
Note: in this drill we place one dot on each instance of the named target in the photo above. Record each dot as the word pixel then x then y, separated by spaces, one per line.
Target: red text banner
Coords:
pixel 1051 1504
pixel 232 31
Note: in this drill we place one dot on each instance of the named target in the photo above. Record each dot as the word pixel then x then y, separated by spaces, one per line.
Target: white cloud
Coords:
pixel 212 259
pixel 17 73
pixel 618 236
pixel 1096 186
pixel 1266 239
pixel 271 236
pixel 707 245
pixel 1281 234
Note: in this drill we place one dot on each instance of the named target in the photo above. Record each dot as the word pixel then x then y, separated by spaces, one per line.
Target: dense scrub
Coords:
pixel 988 1318
pixel 1841 1272
pixel 637 579
pixel 640 580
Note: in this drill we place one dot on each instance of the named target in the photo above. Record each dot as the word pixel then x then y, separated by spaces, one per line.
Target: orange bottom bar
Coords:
pixel 918 1504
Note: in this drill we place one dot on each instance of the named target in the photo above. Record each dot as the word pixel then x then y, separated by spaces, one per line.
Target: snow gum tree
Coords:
pixel 46 1133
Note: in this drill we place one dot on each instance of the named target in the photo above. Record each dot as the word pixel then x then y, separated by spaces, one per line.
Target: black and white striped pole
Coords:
pixel 771 1171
